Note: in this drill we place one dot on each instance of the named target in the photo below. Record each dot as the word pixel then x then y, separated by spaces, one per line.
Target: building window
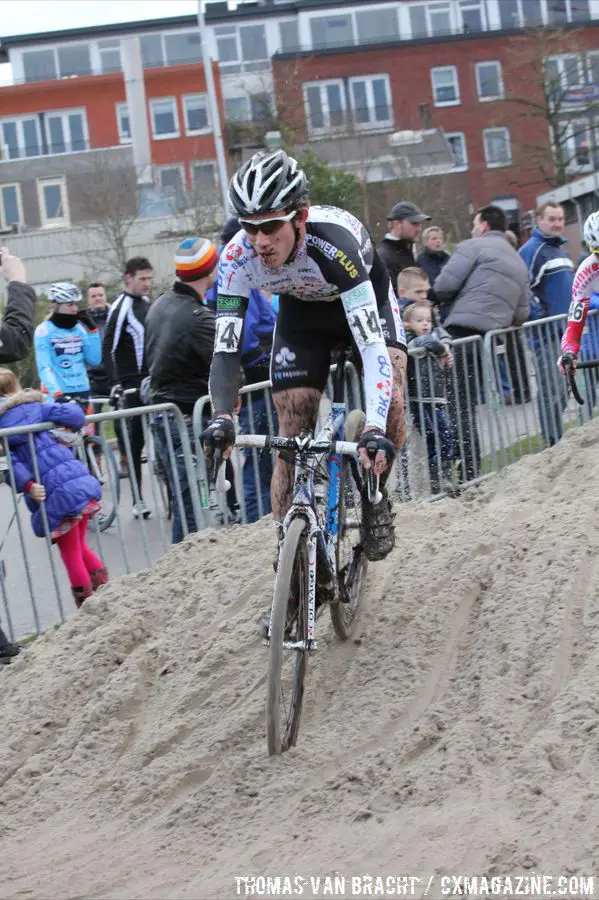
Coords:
pixel 195 109
pixel 242 48
pixel 371 101
pixel 20 137
pixel 564 72
pixel 418 22
pixel 66 132
pixel 11 211
pixel 439 16
pixel 165 122
pixel 533 13
pixel 593 69
pixel 446 90
pixel 377 24
pixel 332 31
pixel 203 178
pixel 110 55
pixel 489 81
pixel 237 109
pixel 123 123
pixel 517 14
pixel 226 43
pixel 74 59
pixel 39 65
pixel 182 47
pixel 253 43
pixel 289 35
pixel 325 104
pixel 578 143
pixel 151 50
pixel 260 107
pixel 498 148
pixel 473 16
pixel 172 184
pixel 457 145
pixel 53 201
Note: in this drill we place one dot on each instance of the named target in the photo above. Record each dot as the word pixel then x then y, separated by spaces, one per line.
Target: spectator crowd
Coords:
pixel 133 352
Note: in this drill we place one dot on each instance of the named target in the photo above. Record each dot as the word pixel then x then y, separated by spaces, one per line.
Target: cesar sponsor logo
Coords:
pixel 229 304
pixel 357 297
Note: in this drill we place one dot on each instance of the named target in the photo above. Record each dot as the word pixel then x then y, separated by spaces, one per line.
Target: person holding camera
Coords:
pixel 16 328
pixel 16 339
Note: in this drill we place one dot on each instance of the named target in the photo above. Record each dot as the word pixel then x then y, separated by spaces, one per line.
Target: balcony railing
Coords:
pixel 35 151
pixel 344 123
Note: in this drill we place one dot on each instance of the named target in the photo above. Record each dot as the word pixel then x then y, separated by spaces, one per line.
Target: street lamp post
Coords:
pixel 221 161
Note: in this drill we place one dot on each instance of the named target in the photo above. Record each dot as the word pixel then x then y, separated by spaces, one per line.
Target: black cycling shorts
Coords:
pixel 305 335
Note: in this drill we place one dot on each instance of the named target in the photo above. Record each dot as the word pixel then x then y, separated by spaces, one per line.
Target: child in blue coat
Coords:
pixel 70 493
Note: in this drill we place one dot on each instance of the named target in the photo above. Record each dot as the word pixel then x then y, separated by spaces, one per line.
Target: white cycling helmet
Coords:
pixel 591 232
pixel 64 292
pixel 267 182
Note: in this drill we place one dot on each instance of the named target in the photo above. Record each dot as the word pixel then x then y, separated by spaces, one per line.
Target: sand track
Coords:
pixel 458 732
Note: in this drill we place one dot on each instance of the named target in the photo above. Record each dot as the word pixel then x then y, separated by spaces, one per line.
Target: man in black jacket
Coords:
pixel 16 339
pixel 179 347
pixel 124 360
pixel 397 247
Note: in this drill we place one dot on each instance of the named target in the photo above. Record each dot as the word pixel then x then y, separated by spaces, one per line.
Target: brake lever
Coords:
pixel 570 373
pixel 221 482
pixel 373 494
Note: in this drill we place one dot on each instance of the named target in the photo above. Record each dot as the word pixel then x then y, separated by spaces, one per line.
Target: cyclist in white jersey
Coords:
pixel 334 291
pixel 586 282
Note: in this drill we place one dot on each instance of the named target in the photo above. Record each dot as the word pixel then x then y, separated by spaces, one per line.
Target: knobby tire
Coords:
pixel 106 517
pixel 351 572
pixel 293 560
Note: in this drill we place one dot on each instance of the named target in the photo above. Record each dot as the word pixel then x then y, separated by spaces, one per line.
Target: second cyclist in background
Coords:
pixel 65 344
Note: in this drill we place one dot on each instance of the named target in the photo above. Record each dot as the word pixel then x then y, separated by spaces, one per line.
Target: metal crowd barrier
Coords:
pixel 34 588
pixel 502 398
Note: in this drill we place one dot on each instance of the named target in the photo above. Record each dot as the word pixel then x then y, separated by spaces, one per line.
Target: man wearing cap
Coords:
pixel 397 247
pixel 179 347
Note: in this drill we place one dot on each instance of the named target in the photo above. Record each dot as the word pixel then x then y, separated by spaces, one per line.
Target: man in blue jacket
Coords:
pixel 550 274
pixel 258 416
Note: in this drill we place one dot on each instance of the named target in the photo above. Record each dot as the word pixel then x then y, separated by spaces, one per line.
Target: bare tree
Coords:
pixel 550 90
pixel 106 197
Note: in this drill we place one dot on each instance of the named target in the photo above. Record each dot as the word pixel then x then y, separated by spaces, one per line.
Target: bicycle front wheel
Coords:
pixel 285 683
pixel 351 560
pixel 102 464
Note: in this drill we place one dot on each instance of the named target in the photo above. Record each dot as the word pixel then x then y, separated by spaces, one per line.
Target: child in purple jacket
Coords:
pixel 70 493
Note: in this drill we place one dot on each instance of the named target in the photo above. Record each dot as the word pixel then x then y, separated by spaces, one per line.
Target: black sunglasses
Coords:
pixel 266 226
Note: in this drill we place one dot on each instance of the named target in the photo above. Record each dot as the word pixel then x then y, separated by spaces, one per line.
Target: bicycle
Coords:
pixel 321 524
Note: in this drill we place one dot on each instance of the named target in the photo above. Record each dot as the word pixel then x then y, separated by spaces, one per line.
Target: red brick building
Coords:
pixel 353 81
pixel 464 85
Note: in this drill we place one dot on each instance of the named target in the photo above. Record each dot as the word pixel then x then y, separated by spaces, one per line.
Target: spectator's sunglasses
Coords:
pixel 266 226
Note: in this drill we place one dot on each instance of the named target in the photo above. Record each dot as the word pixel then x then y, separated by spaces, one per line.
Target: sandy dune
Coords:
pixel 458 734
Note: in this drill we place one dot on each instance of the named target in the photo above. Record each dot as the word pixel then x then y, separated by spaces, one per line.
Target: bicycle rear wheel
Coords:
pixel 351 561
pixel 285 682
pixel 111 486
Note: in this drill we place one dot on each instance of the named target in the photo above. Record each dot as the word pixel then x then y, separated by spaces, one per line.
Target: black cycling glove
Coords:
pixel 86 320
pixel 374 440
pixel 218 434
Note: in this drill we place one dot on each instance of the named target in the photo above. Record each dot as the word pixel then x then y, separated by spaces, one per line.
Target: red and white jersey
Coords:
pixel 586 282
